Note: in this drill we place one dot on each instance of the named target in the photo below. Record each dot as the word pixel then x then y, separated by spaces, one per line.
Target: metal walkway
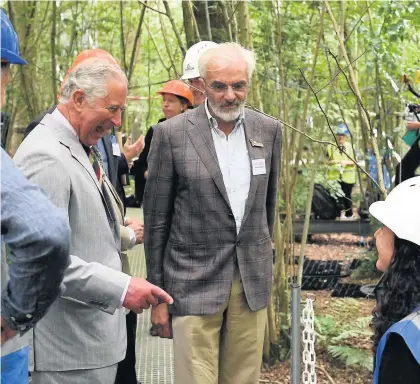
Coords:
pixel 154 355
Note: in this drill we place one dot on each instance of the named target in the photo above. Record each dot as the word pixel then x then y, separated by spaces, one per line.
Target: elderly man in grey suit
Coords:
pixel 83 336
pixel 209 214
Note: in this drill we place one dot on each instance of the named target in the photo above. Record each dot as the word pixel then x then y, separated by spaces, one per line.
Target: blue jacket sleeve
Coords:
pixel 37 236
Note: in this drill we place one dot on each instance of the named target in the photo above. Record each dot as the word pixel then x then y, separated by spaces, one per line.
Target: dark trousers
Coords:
pixel 126 373
pixel 345 201
pixel 409 163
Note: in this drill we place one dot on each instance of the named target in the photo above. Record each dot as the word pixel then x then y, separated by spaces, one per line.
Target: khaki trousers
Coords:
pixel 225 348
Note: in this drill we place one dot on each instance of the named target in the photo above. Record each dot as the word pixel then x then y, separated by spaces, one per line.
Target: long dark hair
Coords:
pixel 399 293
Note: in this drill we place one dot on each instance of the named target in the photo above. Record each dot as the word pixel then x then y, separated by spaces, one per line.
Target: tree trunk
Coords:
pixel 188 19
pixel 53 61
pixel 207 18
pixel 137 42
pixel 245 38
pixel 212 23
pixel 122 41
pixel 168 48
pixel 232 8
pixel 199 9
pixel 226 21
pixel 174 27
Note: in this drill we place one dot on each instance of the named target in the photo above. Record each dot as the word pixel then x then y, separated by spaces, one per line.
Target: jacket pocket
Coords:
pixel 185 261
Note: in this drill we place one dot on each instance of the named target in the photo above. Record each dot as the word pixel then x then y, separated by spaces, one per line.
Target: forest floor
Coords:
pixel 343 312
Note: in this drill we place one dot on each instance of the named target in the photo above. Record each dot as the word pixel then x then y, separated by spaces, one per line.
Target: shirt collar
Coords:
pixel 213 121
pixel 57 115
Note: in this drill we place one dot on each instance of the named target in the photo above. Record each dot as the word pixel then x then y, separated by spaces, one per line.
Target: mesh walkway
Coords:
pixel 154 355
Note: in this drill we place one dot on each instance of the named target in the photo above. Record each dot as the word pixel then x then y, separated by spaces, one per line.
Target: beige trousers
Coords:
pixel 225 348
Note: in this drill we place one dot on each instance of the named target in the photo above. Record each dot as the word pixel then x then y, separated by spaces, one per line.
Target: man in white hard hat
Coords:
pixel 191 73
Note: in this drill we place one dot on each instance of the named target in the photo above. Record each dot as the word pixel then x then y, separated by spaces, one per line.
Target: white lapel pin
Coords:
pixel 256 143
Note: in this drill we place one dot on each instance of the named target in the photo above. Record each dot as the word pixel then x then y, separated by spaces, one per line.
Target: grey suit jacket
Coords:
pixel 191 243
pixel 85 328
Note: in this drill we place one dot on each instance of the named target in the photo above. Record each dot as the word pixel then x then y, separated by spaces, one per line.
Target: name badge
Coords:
pixel 116 151
pixel 258 167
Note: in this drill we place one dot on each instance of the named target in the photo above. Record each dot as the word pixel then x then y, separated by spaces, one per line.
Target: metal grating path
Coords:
pixel 154 355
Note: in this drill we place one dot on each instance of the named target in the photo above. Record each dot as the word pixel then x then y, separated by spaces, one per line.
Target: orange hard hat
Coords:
pixel 95 53
pixel 178 88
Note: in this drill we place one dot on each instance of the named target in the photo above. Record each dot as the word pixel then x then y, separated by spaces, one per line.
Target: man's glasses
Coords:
pixel 220 87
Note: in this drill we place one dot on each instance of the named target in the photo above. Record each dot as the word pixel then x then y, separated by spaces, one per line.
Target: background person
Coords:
pixel 397 321
pixel 191 73
pixel 343 170
pixel 176 99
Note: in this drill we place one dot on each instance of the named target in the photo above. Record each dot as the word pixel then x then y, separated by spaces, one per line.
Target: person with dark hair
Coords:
pixel 176 99
pixel 397 319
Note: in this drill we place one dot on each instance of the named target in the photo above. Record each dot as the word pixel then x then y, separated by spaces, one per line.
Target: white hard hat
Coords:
pixel 400 212
pixel 191 59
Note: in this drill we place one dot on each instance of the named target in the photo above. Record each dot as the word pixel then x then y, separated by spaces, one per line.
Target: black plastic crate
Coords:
pixel 319 283
pixel 348 290
pixel 321 268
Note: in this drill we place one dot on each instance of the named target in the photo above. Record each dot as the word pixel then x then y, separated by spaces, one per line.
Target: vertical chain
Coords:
pixel 308 337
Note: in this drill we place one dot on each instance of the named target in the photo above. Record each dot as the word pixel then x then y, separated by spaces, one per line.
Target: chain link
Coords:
pixel 308 337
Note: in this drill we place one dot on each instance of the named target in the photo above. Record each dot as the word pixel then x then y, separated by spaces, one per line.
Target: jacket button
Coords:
pixel 238 243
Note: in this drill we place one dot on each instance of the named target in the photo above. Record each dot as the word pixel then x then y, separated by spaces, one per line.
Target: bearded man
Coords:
pixel 209 210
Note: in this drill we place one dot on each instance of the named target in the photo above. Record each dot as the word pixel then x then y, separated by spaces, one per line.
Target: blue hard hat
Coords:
pixel 342 130
pixel 9 41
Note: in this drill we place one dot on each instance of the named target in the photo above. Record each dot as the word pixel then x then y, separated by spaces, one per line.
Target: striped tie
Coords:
pixel 97 164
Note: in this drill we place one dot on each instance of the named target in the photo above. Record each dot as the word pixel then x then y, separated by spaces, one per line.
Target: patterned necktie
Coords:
pixel 97 164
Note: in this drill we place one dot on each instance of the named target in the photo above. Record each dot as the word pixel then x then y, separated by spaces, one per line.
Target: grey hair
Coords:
pixel 227 50
pixel 91 76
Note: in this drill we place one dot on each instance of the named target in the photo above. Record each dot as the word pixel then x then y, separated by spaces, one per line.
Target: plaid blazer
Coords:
pixel 191 243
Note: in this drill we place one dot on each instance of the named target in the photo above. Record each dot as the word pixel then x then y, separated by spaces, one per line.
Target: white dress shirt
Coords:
pixel 232 154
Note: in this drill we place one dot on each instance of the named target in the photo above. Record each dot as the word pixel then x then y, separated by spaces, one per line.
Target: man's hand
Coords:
pixel 133 150
pixel 6 332
pixel 141 295
pixel 162 321
pixel 138 227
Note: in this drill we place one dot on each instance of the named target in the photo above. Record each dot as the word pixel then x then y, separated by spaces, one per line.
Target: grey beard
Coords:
pixel 227 116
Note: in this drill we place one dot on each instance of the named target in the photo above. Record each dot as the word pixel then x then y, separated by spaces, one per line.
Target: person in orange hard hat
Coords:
pixel 177 97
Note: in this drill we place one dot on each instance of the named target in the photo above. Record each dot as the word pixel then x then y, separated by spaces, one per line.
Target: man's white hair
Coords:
pixel 91 76
pixel 228 51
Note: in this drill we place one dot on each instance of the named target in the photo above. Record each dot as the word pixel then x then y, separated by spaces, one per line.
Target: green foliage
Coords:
pixel 352 356
pixel 338 336
pixel 367 268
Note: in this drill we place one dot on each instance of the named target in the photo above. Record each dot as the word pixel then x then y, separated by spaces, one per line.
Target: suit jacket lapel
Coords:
pixel 199 132
pixel 252 132
pixel 69 140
